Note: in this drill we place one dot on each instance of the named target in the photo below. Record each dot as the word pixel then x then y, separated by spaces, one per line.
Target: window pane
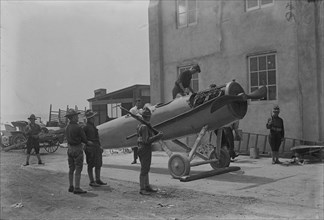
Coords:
pixel 254 79
pixel 182 19
pixel 192 17
pixel 181 6
pixel 195 76
pixel 262 63
pixel 262 78
pixel 265 2
pixel 271 77
pixel 254 64
pixel 272 90
pixel 271 62
pixel 251 3
pixel 191 5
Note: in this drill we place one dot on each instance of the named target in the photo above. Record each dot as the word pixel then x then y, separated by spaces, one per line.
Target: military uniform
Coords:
pixel 32 132
pixel 277 133
pixel 75 136
pixel 93 152
pixel 144 142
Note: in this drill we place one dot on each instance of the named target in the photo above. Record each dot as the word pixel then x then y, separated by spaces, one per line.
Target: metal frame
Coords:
pixel 184 161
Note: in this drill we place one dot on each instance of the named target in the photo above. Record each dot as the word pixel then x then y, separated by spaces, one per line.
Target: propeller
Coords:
pixel 242 97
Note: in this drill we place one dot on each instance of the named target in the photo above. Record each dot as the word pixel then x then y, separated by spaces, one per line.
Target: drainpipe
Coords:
pixel 162 78
pixel 300 87
pixel 318 48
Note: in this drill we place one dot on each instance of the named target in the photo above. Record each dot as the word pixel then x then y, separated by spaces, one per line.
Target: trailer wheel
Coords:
pixel 20 138
pixel 179 165
pixel 53 147
pixel 224 159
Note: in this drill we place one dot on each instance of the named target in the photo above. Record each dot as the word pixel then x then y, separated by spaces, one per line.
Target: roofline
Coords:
pixel 118 91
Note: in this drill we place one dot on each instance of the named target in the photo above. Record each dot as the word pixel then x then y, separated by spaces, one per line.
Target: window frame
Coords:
pixel 259 6
pixel 187 24
pixel 195 77
pixel 258 55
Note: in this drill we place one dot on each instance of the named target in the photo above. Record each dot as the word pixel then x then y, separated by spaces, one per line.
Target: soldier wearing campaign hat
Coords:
pixel 75 137
pixel 32 132
pixel 277 133
pixel 144 142
pixel 93 152
pixel 184 80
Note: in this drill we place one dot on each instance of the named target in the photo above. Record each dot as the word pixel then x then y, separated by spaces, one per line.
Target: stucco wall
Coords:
pixel 307 70
pixel 222 40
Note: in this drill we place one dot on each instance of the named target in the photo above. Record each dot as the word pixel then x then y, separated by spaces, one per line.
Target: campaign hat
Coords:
pixel 276 108
pixel 32 117
pixel 70 112
pixel 89 113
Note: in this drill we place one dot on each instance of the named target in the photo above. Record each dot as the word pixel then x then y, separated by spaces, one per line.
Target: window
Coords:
pixel 194 81
pixel 262 71
pixel 256 4
pixel 186 13
pixel 113 110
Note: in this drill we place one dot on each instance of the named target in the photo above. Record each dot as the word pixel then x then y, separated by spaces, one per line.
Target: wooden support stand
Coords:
pixel 208 174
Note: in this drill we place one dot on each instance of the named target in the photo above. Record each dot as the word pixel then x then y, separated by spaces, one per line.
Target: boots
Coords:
pixel 90 174
pixel 148 188
pixel 27 160
pixel 142 186
pixel 71 188
pixel 39 159
pixel 277 158
pixel 77 189
pixel 273 157
pixel 98 180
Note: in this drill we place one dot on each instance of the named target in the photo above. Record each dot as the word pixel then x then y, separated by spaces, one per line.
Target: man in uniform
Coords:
pixel 32 131
pixel 228 138
pixel 144 141
pixel 136 110
pixel 184 80
pixel 75 137
pixel 93 152
pixel 277 133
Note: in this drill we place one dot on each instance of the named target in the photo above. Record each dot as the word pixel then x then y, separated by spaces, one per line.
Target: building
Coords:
pixel 106 104
pixel 277 43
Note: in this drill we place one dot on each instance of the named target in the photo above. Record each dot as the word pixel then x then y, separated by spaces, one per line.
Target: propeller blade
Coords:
pixel 258 94
pixel 223 100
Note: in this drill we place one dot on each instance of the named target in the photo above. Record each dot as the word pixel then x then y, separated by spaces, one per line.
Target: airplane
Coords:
pixel 196 113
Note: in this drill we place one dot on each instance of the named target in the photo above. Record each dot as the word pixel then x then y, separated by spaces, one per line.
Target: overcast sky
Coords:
pixel 59 52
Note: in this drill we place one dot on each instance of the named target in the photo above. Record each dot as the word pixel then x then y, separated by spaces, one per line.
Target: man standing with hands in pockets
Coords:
pixel 93 152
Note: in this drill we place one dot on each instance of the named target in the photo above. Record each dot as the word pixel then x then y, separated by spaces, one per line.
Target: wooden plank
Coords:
pixel 208 174
pixel 306 147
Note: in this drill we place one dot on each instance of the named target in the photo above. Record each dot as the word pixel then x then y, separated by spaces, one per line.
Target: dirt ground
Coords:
pixel 37 193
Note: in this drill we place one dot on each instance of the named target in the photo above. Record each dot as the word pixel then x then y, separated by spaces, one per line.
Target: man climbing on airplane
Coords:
pixel 183 81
